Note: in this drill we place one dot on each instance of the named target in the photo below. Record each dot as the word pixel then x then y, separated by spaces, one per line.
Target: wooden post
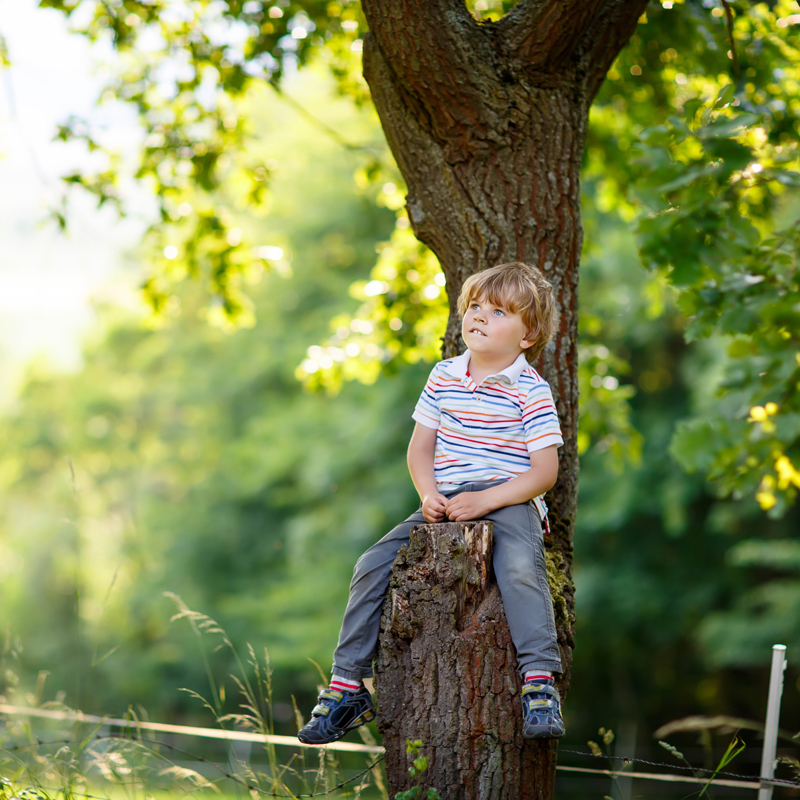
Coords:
pixel 446 673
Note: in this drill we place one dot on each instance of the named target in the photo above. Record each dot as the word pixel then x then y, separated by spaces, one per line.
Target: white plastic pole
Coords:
pixel 773 714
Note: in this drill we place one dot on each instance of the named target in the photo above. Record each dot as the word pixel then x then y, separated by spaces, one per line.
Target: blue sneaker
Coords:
pixel 541 711
pixel 335 714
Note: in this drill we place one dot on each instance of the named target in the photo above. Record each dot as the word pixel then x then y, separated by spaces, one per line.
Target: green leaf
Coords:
pixel 688 177
pixel 787 177
pixel 686 269
pixel 724 127
pixel 780 554
pixel 693 444
pixel 725 96
pixel 657 135
pixel 735 155
pixel 740 281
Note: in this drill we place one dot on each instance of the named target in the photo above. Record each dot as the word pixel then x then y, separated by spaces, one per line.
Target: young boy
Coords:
pixel 484 447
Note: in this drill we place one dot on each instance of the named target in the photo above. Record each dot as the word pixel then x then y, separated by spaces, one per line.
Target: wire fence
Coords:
pixel 131 730
pixel 249 785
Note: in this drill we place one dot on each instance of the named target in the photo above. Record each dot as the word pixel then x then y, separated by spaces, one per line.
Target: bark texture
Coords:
pixel 447 674
pixel 487 122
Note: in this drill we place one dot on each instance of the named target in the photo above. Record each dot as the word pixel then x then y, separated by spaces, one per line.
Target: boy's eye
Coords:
pixel 474 306
pixel 499 312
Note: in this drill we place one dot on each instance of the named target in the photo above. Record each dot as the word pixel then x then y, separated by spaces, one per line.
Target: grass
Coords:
pixel 86 762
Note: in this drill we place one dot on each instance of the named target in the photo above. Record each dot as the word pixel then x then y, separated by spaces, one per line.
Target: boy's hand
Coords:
pixel 433 507
pixel 468 506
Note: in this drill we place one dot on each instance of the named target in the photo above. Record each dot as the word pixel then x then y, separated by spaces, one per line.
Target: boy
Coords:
pixel 484 447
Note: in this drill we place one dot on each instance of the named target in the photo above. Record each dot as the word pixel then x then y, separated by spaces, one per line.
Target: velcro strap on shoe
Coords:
pixel 541 688
pixel 330 694
pixel 320 711
pixel 540 704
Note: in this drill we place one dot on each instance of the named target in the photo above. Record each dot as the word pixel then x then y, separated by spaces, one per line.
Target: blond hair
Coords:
pixel 521 289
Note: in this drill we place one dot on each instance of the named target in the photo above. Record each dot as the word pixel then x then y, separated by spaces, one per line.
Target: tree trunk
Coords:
pixel 487 123
pixel 446 673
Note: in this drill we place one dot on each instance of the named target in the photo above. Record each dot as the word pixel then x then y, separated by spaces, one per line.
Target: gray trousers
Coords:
pixel 519 565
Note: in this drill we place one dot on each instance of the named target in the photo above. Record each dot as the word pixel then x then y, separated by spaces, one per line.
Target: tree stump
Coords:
pixel 446 673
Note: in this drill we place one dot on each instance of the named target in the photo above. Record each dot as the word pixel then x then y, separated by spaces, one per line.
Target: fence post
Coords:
pixel 773 714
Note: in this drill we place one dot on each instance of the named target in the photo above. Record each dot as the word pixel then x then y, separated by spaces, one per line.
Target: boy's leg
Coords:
pixel 346 704
pixel 520 567
pixel 358 637
pixel 521 570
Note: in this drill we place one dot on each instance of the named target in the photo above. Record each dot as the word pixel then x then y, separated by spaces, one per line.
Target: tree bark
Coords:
pixel 446 672
pixel 487 122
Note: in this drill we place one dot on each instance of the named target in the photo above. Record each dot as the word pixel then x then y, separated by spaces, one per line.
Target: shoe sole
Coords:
pixel 367 716
pixel 544 734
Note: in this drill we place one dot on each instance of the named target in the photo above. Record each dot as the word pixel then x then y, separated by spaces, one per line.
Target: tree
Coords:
pixel 487 124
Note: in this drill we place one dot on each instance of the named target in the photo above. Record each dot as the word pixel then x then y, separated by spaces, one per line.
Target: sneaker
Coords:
pixel 541 711
pixel 335 714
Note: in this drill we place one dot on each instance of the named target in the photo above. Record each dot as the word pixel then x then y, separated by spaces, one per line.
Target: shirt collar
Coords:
pixel 459 365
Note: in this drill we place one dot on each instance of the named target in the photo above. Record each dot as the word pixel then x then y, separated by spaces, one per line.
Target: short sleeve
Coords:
pixel 427 410
pixel 540 418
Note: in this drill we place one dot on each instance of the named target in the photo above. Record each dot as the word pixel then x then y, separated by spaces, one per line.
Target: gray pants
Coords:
pixel 519 565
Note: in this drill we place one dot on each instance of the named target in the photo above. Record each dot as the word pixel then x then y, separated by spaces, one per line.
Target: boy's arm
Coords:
pixel 421 451
pixel 537 480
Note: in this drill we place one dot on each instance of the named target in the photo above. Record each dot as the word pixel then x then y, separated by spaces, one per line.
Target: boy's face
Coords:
pixel 493 331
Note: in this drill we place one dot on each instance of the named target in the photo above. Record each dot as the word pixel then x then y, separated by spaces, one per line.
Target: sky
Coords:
pixel 49 281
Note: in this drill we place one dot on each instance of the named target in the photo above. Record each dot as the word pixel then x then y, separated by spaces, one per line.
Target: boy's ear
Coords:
pixel 526 343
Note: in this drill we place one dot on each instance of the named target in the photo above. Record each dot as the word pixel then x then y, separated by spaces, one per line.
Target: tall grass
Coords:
pixel 78 760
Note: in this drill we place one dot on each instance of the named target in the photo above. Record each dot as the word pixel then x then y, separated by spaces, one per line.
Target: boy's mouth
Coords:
pixel 475 330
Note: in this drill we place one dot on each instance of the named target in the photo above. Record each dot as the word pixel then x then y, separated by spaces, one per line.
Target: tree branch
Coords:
pixel 543 34
pixel 729 22
pixel 602 42
pixel 555 39
pixel 437 52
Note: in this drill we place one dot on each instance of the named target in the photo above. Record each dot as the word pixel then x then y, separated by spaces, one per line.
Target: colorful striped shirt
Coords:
pixel 487 432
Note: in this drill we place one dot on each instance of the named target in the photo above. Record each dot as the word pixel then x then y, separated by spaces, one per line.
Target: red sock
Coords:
pixel 340 684
pixel 533 675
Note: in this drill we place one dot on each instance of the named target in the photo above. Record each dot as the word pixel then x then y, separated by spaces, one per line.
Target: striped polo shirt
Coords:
pixel 487 432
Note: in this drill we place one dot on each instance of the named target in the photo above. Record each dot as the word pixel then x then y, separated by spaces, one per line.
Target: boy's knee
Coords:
pixel 364 566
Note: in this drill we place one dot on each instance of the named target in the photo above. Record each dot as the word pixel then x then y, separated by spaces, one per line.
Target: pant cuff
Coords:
pixel 353 675
pixel 550 666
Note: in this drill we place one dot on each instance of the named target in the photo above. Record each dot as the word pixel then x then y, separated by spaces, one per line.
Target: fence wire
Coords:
pixel 201 759
pixel 695 771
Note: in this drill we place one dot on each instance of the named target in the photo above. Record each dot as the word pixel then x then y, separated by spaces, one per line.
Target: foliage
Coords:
pixel 402 313
pixel 653 524
pixel 730 635
pixel 192 71
pixel 734 282
pixel 700 139
pixel 419 765
pixel 203 468
pixel 89 763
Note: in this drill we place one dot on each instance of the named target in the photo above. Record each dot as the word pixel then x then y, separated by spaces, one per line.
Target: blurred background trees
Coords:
pixel 243 440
